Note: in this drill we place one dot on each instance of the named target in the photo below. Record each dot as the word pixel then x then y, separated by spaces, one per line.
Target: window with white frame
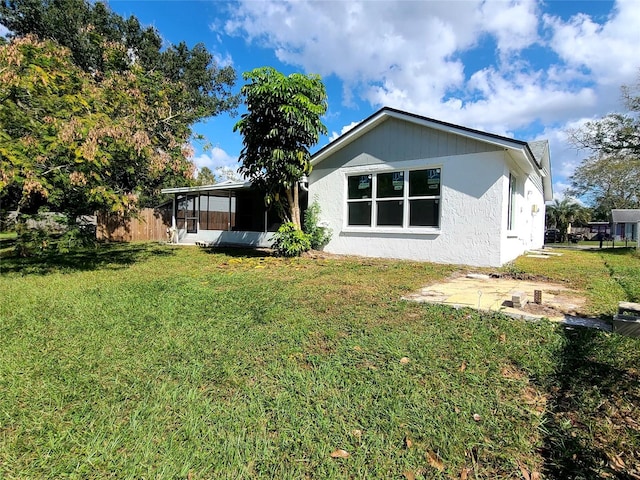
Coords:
pixel 511 207
pixel 398 199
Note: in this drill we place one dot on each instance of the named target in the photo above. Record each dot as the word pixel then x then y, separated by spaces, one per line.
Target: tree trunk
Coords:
pixel 293 198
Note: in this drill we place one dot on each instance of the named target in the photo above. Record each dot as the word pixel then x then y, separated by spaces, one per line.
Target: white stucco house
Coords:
pixel 399 185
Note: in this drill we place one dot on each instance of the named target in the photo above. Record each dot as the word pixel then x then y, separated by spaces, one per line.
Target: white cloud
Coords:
pixel 4 31
pixel 215 158
pixel 344 130
pixel 514 24
pixel 608 50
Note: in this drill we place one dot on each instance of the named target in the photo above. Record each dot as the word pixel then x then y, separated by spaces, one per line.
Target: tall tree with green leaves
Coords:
pixel 74 145
pixel 90 29
pixel 561 213
pixel 607 182
pixel 283 121
pixel 105 46
pixel 610 177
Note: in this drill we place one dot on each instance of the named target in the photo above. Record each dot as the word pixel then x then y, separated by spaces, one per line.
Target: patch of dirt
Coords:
pixel 542 309
pixel 522 276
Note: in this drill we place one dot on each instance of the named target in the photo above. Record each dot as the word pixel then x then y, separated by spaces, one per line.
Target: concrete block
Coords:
pixel 518 299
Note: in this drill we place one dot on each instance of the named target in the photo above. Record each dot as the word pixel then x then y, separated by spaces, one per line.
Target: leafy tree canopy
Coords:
pixel 610 176
pixel 607 182
pixel 103 122
pixel 75 145
pixel 283 121
pixel 90 30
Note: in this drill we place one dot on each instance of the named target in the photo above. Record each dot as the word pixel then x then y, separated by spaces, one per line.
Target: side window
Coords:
pixel 511 207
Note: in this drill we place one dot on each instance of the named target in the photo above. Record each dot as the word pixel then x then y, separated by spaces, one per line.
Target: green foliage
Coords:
pixel 608 182
pixel 95 111
pixel 290 241
pixel 205 177
pixel 319 235
pixel 563 212
pixel 90 30
pixel 283 121
pixel 610 177
pixel 75 145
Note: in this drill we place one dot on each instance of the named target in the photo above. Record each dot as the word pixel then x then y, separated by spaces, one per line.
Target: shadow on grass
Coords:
pixel 104 256
pixel 239 251
pixel 595 403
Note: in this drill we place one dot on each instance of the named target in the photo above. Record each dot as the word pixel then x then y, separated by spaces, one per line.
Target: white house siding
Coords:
pixel 529 218
pixel 474 198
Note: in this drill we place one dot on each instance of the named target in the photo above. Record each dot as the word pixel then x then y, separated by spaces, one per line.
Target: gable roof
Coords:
pixel 625 215
pixel 534 154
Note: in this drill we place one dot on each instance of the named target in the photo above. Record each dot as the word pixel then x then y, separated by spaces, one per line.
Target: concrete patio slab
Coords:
pixel 484 293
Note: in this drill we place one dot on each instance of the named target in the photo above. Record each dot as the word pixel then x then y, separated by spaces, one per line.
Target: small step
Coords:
pixel 629 309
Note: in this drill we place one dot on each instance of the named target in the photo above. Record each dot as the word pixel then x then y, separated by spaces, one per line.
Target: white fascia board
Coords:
pixel 207 188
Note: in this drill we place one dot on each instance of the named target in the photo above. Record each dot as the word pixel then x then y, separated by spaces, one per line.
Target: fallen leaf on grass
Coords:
pixel 339 453
pixel 464 474
pixel 616 462
pixel 503 338
pixel 409 475
pixel 357 433
pixel 525 473
pixel 463 367
pixel 404 360
pixel 407 442
pixel 477 417
pixel 434 460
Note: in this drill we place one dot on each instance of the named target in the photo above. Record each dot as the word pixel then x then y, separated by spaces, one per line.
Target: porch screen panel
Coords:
pixel 214 211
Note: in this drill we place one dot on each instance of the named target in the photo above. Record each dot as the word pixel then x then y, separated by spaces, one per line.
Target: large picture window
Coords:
pixel 400 199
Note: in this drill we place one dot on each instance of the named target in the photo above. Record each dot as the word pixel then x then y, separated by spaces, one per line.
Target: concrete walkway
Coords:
pixel 485 293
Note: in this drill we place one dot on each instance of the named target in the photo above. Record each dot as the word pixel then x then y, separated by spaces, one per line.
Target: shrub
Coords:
pixel 291 242
pixel 318 234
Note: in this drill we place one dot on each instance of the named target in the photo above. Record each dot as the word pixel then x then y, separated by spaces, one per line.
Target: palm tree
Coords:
pixel 561 213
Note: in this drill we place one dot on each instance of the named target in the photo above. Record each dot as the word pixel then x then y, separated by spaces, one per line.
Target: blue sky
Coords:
pixel 526 69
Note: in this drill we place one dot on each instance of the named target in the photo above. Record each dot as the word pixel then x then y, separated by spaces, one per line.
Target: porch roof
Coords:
pixel 222 186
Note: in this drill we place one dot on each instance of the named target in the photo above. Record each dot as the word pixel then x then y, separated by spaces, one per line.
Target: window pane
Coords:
pixel 390 213
pixel 359 187
pixel 424 182
pixel 424 213
pixel 192 226
pixel 360 213
pixel 390 185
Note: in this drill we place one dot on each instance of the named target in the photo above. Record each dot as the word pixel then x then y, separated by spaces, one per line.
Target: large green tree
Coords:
pixel 282 122
pixel 606 182
pixel 610 176
pixel 90 29
pixel 75 145
pixel 182 85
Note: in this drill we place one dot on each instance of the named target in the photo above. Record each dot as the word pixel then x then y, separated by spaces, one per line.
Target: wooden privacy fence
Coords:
pixel 151 224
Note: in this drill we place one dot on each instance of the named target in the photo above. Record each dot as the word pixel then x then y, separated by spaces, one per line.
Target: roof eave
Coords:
pixel 208 188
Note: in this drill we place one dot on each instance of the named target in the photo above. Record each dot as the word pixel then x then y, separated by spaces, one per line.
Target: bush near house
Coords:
pixel 153 361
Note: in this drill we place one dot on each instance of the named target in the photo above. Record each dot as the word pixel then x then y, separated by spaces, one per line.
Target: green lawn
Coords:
pixel 148 361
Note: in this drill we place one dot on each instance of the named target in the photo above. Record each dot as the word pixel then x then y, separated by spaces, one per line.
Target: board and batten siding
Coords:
pixel 397 140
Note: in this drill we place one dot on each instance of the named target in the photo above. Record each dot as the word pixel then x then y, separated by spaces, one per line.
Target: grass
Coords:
pixel 141 360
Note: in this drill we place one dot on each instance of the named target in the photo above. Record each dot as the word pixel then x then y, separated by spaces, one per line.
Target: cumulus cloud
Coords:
pixel 344 130
pixel 215 158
